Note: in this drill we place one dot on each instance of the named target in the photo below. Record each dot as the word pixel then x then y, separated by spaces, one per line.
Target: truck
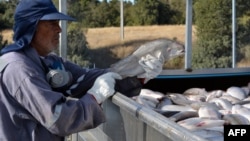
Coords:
pixel 127 120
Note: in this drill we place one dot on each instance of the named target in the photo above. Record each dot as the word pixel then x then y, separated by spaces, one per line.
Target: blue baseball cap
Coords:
pixel 26 17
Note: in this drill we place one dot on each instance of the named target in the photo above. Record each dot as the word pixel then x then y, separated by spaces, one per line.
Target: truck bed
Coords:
pixel 130 121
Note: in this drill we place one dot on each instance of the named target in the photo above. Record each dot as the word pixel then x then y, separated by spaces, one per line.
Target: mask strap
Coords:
pixel 44 66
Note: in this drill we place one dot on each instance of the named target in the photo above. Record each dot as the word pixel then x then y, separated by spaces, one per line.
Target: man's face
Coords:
pixel 46 38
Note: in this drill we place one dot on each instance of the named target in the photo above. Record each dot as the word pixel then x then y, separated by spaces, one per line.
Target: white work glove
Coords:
pixel 151 65
pixel 104 86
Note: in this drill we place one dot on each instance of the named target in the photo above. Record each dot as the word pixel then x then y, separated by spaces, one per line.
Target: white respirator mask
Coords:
pixel 57 76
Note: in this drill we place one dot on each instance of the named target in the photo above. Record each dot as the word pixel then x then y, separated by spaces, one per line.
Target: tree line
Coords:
pixel 212 20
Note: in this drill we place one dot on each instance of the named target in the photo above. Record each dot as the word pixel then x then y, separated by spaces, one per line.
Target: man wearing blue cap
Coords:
pixel 42 96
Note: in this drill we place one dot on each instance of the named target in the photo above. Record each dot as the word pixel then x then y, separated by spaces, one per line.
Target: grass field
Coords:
pixel 101 37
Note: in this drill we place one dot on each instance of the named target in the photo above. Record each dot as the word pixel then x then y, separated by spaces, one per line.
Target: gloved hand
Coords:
pixel 152 66
pixel 129 86
pixel 104 86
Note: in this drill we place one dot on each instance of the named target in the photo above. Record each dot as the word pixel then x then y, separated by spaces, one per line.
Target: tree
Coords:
pixel 243 28
pixel 81 10
pixel 2 24
pixel 107 14
pixel 178 9
pixel 145 12
pixel 7 13
pixel 213 25
pixel 213 21
pixel 77 45
pixel 166 14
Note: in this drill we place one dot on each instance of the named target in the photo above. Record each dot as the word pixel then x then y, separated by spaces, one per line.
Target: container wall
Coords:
pixel 143 124
pixel 129 121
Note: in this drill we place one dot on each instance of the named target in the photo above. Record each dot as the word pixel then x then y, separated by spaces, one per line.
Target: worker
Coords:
pixel 44 97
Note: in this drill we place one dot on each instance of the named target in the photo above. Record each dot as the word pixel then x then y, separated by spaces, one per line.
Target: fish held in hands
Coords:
pixel 162 49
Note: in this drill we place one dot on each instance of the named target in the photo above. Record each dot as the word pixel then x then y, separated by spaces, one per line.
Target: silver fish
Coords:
pixel 236 119
pixel 222 103
pixel 197 105
pixel 196 94
pixel 216 138
pixel 247 99
pixel 247 105
pixel 176 108
pixel 183 115
pixel 206 133
pixel 164 101
pixel 209 112
pixel 217 128
pixel 179 99
pixel 167 113
pixel 163 49
pixel 239 109
pixel 237 92
pixel 246 89
pixel 146 102
pixel 196 123
pixel 230 98
pixel 243 102
pixel 225 112
pixel 154 96
pixel 195 91
pixel 214 94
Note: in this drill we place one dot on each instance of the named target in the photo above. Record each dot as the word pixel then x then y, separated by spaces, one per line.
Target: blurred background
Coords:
pixel 95 39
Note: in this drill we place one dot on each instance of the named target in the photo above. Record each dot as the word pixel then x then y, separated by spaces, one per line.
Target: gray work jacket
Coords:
pixel 31 111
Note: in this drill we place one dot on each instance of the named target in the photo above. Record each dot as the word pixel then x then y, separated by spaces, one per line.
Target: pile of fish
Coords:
pixel 204 113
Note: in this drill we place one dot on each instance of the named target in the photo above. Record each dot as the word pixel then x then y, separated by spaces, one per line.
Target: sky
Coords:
pixel 130 0
pixel 126 0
